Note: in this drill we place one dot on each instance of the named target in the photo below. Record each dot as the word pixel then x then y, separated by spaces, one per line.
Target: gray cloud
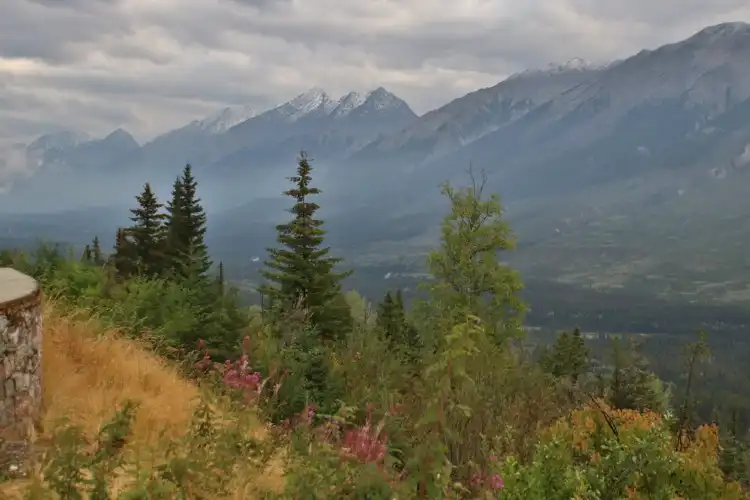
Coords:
pixel 150 65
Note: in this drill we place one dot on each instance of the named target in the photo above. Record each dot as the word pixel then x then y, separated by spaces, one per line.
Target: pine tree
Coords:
pixel 96 252
pixel 147 233
pixel 385 318
pixel 396 329
pixel 568 357
pixel 87 256
pixel 174 247
pixel 632 386
pixel 124 257
pixel 301 273
pixel 186 228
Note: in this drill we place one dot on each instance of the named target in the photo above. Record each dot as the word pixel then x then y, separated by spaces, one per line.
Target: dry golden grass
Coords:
pixel 89 372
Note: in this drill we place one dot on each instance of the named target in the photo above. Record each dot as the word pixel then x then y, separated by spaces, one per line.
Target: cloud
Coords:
pixel 150 65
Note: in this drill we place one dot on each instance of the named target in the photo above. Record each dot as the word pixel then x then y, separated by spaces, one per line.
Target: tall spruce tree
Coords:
pixel 96 252
pixel 87 256
pixel 124 258
pixel 147 233
pixel 632 385
pixel 301 274
pixel 186 250
pixel 568 357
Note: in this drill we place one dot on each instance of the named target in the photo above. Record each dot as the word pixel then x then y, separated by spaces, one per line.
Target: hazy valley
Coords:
pixel 621 180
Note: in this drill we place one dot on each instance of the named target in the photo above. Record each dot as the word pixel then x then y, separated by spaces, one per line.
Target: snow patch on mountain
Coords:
pixel 313 100
pixel 349 102
pixel 226 119
pixel 574 64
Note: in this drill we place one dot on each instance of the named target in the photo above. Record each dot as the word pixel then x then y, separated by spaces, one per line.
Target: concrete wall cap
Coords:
pixel 15 285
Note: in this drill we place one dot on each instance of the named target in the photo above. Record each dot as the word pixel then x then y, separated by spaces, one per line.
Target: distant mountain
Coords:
pixel 541 133
pixel 237 145
pixel 595 164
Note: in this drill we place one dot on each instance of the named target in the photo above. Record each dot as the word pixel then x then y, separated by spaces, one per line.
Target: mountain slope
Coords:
pixel 547 133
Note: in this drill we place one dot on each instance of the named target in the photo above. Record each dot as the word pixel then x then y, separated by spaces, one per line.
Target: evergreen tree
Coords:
pixel 174 247
pixel 386 313
pixel 87 256
pixel 568 357
pixel 147 233
pixel 124 257
pixel 96 252
pixel 186 228
pixel 632 386
pixel 301 272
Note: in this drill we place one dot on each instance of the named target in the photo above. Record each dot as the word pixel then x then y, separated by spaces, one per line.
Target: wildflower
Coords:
pixel 497 482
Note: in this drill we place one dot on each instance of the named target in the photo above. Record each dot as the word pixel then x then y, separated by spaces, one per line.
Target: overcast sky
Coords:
pixel 151 65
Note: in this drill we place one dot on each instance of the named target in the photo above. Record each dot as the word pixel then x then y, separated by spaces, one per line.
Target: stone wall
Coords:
pixel 20 364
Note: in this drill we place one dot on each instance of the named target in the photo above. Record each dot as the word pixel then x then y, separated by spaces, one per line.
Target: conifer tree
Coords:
pixel 186 228
pixel 632 386
pixel 392 321
pixel 173 248
pixel 147 233
pixel 124 257
pixel 301 274
pixel 96 252
pixel 87 256
pixel 568 357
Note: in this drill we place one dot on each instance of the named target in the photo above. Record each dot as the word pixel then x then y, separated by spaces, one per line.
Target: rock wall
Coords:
pixel 20 364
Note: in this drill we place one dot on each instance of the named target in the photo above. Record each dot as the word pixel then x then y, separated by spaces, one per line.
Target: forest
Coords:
pixel 445 393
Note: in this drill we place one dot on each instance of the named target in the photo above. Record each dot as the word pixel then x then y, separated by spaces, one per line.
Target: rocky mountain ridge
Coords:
pixel 539 132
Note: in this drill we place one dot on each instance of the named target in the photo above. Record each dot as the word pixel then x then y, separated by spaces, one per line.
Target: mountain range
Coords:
pixel 608 172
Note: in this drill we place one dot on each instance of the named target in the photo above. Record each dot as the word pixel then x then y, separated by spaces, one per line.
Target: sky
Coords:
pixel 152 65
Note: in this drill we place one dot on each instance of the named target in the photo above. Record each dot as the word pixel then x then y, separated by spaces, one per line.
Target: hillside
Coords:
pixel 318 393
pixel 90 371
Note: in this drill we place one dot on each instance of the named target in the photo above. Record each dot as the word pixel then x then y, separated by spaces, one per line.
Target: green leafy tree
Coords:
pixel 469 278
pixel 300 273
pixel 147 233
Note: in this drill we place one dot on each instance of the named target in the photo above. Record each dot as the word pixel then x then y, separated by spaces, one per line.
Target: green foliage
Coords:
pixel 147 233
pixel 301 273
pixel 431 403
pixel 568 357
pixel 186 251
pixel 198 466
pixel 469 278
pixel 399 333
pixel 632 385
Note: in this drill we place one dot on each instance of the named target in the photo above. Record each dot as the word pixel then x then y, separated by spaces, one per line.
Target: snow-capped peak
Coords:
pixel 226 119
pixel 380 98
pixel 307 102
pixel 349 102
pixel 575 64
pixel 317 100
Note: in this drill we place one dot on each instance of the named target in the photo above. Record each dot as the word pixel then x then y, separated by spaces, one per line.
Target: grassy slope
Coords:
pixel 89 372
